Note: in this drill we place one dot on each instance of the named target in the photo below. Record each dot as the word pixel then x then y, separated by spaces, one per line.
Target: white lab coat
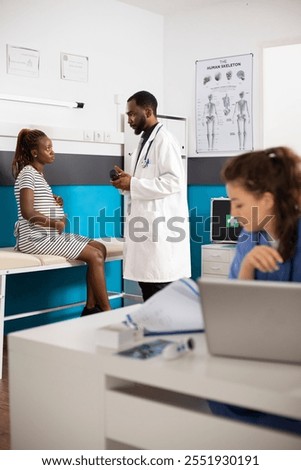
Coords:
pixel 157 247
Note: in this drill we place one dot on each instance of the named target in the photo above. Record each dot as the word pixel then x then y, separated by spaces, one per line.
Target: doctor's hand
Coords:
pixel 264 258
pixel 124 180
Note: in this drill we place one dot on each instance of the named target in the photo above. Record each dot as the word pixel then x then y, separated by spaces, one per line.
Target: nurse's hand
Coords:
pixel 124 180
pixel 263 257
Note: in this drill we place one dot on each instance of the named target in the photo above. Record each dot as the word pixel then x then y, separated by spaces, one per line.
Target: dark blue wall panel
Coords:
pixel 92 210
pixel 96 211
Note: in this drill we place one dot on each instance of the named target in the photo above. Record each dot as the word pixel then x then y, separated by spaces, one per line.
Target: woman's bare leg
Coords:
pixel 91 299
pixel 94 255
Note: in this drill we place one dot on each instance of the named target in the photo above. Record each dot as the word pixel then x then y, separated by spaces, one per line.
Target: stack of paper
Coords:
pixel 174 309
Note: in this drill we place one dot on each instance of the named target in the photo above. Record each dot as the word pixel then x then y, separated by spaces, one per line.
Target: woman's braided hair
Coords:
pixel 27 141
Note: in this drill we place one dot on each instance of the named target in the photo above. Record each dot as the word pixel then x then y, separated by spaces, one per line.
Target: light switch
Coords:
pixel 88 135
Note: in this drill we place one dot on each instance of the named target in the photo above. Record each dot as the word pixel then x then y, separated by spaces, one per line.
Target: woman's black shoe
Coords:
pixel 89 311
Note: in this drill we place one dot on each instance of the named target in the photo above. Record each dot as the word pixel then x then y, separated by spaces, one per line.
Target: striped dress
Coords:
pixel 36 239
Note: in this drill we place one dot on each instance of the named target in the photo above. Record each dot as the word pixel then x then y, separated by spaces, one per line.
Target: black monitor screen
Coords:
pixel 223 227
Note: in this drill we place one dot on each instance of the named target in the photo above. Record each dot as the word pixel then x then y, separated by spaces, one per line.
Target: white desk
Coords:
pixel 66 394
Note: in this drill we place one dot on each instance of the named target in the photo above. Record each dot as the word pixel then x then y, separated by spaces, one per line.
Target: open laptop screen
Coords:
pixel 252 319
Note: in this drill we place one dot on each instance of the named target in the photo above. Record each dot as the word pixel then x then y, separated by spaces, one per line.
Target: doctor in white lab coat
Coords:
pixel 157 247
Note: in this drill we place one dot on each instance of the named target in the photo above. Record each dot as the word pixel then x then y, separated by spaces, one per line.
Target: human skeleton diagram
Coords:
pixel 226 101
pixel 241 111
pixel 210 116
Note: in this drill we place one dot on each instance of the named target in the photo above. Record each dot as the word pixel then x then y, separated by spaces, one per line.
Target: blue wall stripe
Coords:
pixel 95 211
pixel 199 198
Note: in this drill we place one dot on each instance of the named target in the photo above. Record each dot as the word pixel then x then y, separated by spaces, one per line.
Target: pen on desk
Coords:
pixel 175 350
pixel 130 323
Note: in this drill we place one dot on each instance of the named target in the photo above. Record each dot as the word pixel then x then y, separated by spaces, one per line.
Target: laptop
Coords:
pixel 252 319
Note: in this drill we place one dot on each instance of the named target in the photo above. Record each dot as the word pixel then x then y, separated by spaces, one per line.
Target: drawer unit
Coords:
pixel 216 268
pixel 216 259
pixel 161 410
pixel 145 417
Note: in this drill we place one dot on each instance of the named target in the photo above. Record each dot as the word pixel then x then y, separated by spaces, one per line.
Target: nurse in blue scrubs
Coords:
pixel 265 192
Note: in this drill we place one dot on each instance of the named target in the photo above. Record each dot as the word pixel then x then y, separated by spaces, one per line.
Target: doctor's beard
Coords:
pixel 140 126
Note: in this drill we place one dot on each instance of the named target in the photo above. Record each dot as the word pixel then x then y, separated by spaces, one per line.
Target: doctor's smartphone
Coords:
pixel 114 175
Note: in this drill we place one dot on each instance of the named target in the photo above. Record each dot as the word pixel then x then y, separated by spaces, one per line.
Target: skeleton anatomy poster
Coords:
pixel 224 104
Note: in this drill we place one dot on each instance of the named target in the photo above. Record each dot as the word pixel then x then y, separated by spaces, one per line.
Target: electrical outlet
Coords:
pixel 88 135
pixel 107 136
pixel 98 136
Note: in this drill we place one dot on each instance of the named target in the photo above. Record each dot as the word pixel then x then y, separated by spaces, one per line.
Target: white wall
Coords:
pixel 230 27
pixel 282 96
pixel 125 49
pixel 131 49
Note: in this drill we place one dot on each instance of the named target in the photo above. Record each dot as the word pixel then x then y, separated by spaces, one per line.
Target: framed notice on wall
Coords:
pixel 74 67
pixel 224 114
pixel 22 61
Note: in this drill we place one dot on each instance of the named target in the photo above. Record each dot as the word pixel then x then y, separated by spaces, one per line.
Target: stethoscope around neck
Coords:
pixel 145 161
